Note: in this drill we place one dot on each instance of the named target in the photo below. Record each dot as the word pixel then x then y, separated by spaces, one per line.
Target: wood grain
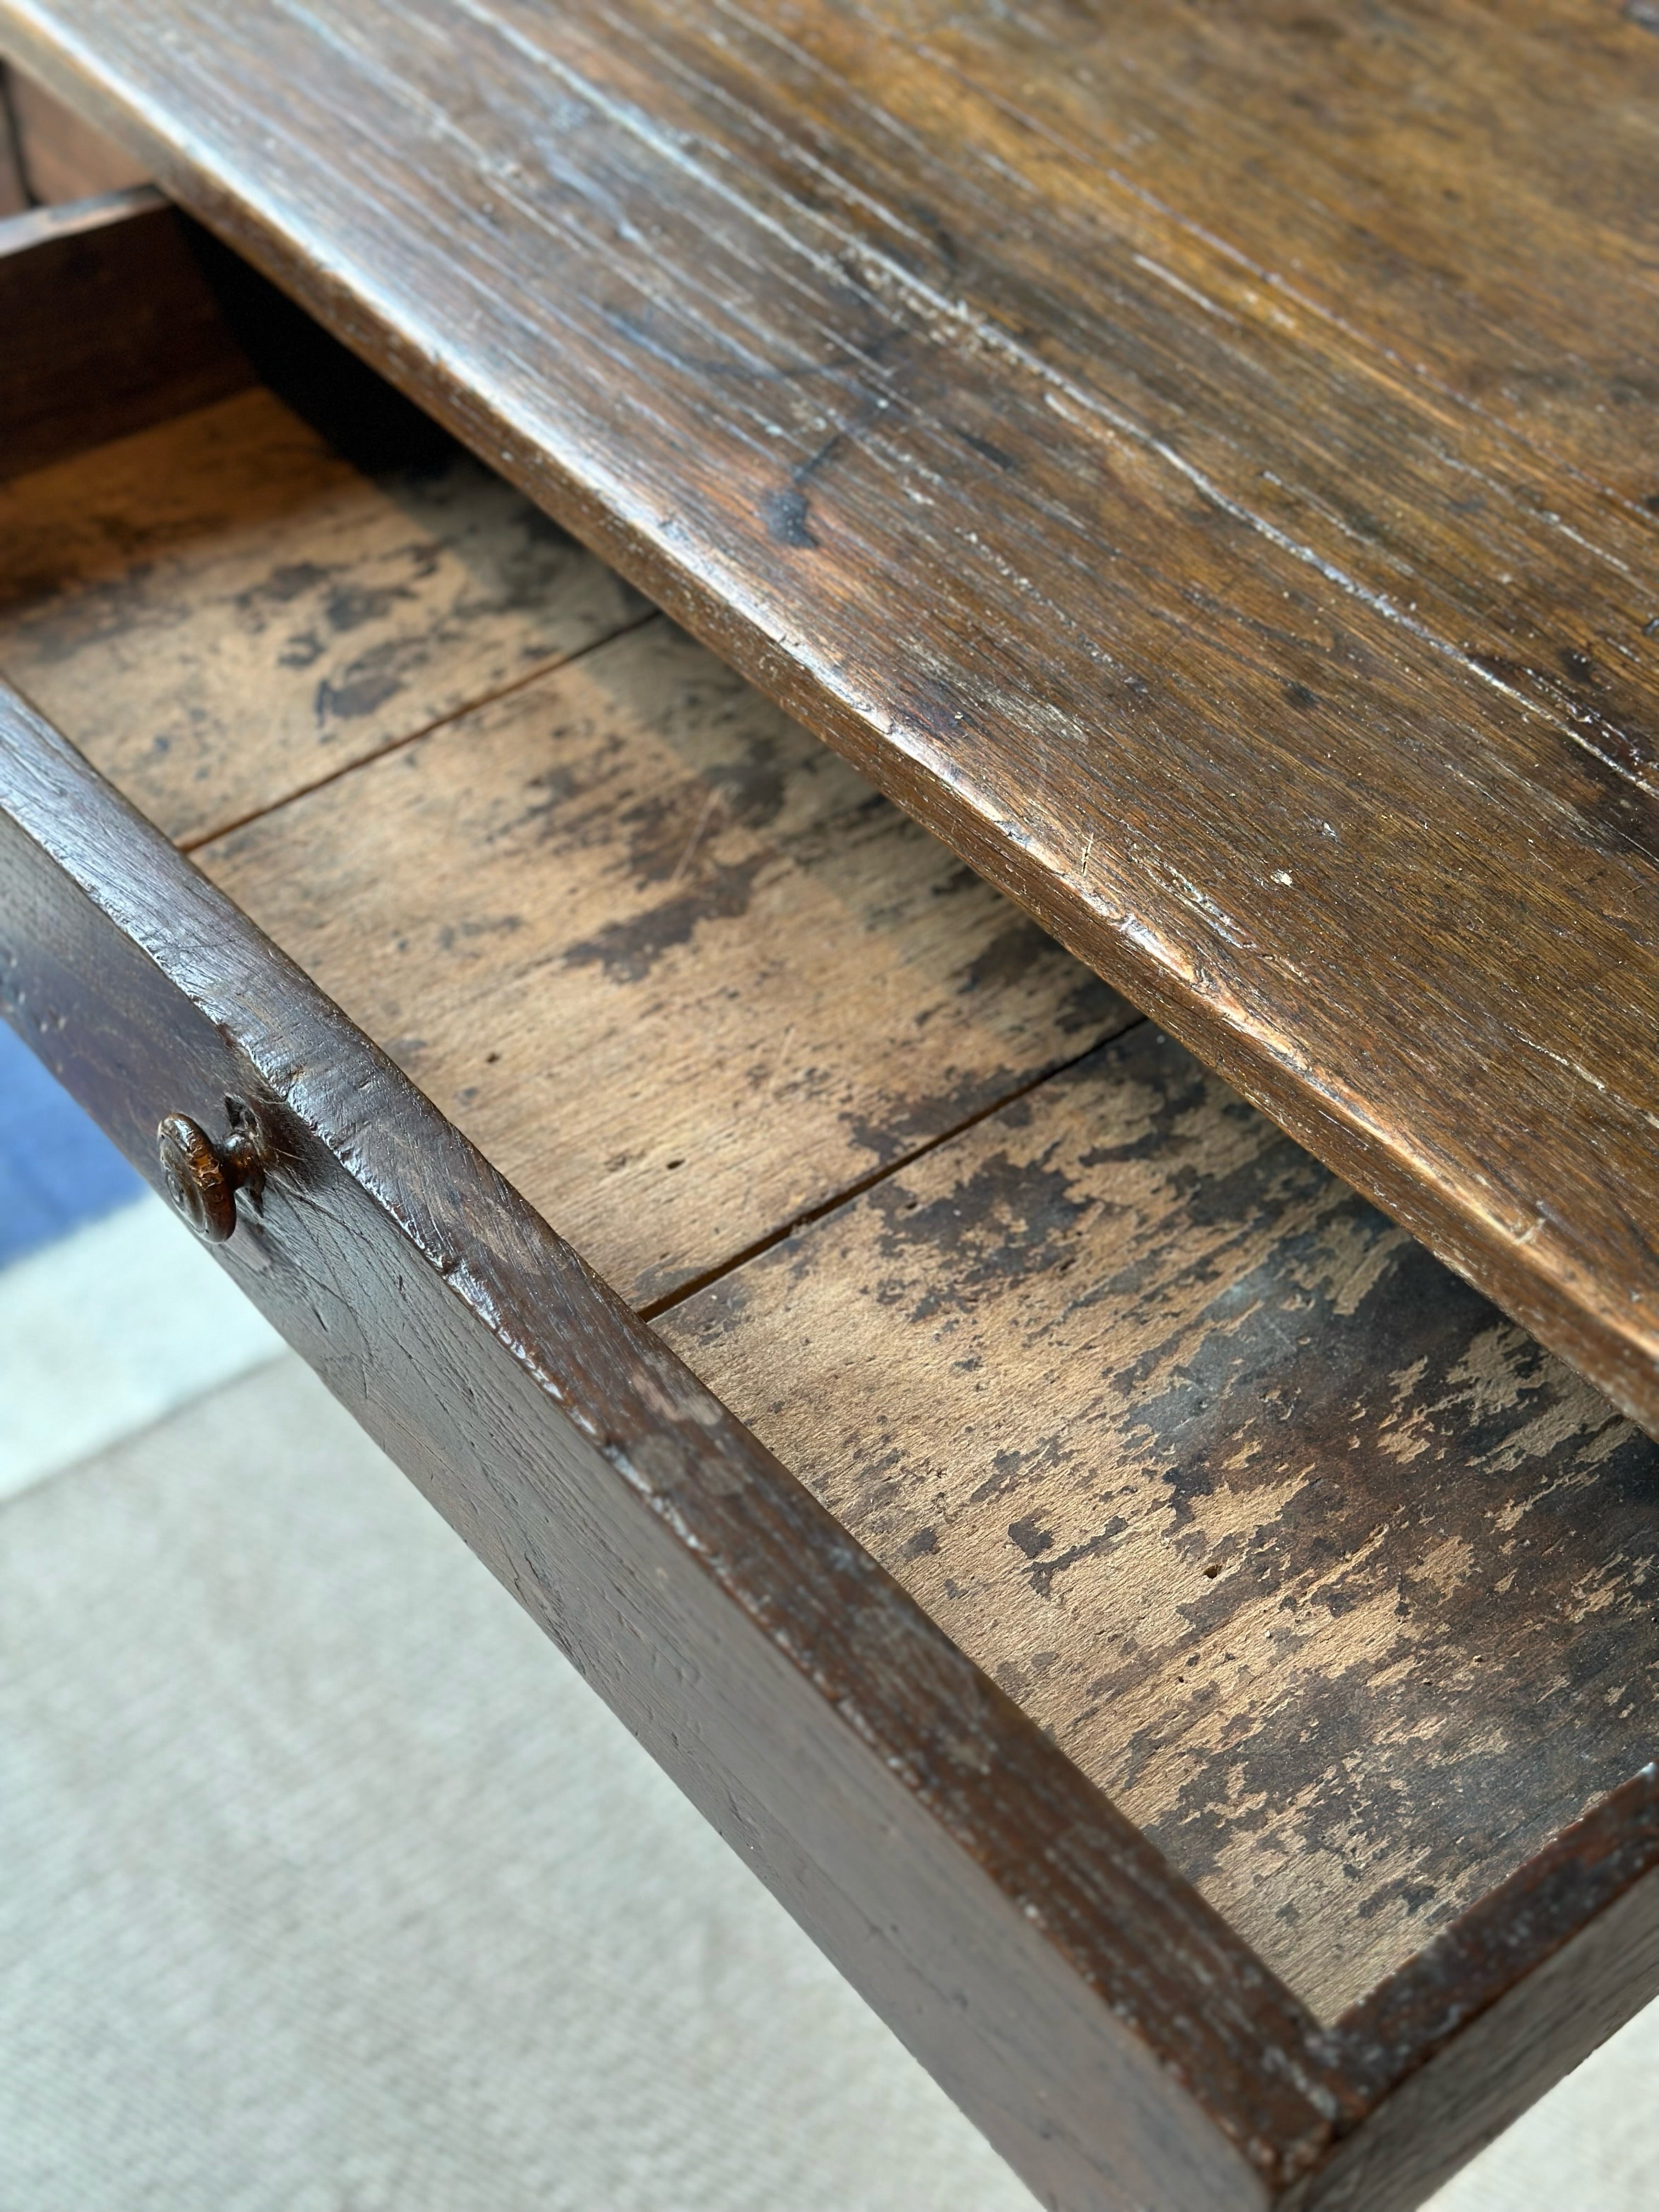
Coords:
pixel 70 277
pixel 225 609
pixel 680 972
pixel 1185 457
pixel 1328 1575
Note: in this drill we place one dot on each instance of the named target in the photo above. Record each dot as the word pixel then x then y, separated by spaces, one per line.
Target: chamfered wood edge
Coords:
pixel 1450 2049
pixel 905 763
pixel 110 326
pixel 1101 2023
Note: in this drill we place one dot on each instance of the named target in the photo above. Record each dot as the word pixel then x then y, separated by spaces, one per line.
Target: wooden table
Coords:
pixel 1189 1660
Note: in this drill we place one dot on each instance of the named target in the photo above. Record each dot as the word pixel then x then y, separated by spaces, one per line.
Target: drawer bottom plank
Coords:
pixel 1322 1568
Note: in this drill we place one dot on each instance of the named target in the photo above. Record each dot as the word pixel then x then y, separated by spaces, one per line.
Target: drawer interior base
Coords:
pixel 1330 1576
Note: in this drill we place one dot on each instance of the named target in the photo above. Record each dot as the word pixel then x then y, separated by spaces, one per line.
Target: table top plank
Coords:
pixel 1191 464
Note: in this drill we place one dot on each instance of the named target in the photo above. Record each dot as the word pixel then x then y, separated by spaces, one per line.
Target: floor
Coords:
pixel 329 1886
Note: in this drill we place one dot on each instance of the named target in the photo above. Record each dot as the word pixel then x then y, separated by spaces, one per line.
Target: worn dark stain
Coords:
pixel 555 788
pixel 664 830
pixel 668 831
pixel 1315 1425
pixel 1045 1573
pixel 902 1123
pixel 349 606
pixel 1091 1007
pixel 1479 1709
pixel 720 1307
pixel 786 515
pixel 1257 1193
pixel 454 936
pixel 1300 696
pixel 988 451
pixel 1008 957
pixel 290 581
pixel 1023 1470
pixel 1003 1221
pixel 366 684
pixel 955 881
pixel 628 950
pixel 1177 1089
pixel 1033 1539
pixel 514 558
pixel 754 786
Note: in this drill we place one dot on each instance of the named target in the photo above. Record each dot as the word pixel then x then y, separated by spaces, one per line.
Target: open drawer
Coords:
pixel 1188 1659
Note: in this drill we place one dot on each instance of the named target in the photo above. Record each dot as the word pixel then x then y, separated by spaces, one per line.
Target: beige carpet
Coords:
pixel 328 1887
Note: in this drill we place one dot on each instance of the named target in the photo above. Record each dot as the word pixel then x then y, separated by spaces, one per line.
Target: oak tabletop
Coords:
pixel 1197 460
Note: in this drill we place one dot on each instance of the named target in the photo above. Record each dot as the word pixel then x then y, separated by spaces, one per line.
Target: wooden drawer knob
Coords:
pixel 203 1178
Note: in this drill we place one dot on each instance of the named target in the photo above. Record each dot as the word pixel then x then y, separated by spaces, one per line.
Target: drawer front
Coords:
pixel 1115 2041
